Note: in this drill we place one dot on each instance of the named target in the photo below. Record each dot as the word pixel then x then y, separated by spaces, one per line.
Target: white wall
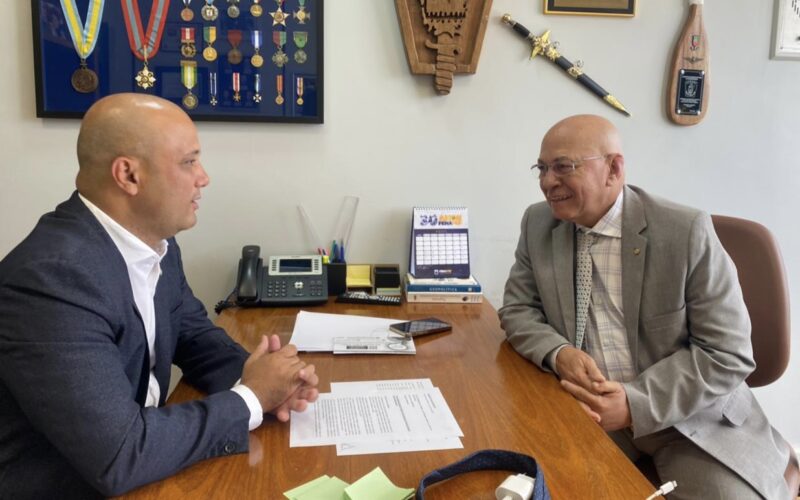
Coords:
pixel 390 140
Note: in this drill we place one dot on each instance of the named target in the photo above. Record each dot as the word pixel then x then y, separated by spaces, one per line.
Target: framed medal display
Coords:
pixel 224 60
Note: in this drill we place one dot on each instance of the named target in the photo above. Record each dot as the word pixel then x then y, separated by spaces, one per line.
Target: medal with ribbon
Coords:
pixel 210 36
pixel 234 38
pixel 299 90
pixel 236 87
pixel 302 14
pixel 257 61
pixel 209 12
pixel 84 38
pixel 233 9
pixel 187 14
pixel 300 39
pixel 279 88
pixel 145 45
pixel 279 39
pixel 189 80
pixel 256 10
pixel 257 95
pixel 188 50
pixel 279 16
pixel 212 88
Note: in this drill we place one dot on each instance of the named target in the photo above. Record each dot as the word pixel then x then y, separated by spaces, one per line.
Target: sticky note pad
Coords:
pixel 376 486
pixel 331 489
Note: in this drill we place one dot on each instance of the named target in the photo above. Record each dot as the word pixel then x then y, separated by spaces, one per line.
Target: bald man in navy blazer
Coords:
pixel 95 307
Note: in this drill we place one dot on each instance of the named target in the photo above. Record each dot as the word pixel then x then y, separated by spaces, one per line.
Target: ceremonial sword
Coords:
pixel 543 45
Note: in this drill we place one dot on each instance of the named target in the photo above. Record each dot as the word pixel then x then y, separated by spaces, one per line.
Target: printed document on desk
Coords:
pixel 391 445
pixel 355 416
pixel 316 331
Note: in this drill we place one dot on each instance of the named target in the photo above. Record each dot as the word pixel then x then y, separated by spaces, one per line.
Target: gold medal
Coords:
pixel 279 88
pixel 84 38
pixel 210 54
pixel 187 14
pixel 84 80
pixel 300 90
pixel 256 10
pixel 257 61
pixel 145 78
pixel 280 58
pixel 209 12
pixel 234 56
pixel 234 38
pixel 188 50
pixel 302 15
pixel 190 101
pixel 278 17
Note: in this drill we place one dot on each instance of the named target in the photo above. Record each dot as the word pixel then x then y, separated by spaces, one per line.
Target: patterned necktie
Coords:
pixel 583 285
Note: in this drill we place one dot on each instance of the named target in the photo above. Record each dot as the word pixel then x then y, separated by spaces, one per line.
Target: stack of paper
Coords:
pixel 348 334
pixel 384 416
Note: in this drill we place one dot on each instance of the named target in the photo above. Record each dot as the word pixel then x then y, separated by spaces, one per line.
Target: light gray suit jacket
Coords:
pixel 687 326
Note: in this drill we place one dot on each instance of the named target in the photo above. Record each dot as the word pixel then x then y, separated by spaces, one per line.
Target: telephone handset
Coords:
pixel 287 280
pixel 249 274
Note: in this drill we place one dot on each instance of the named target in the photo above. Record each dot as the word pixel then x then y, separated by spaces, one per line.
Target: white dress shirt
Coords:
pixel 144 269
pixel 606 336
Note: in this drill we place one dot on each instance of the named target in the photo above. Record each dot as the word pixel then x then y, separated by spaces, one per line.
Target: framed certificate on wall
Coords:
pixel 786 30
pixel 225 60
pixel 624 8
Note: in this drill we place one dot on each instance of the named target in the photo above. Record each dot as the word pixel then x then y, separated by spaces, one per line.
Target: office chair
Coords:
pixel 759 265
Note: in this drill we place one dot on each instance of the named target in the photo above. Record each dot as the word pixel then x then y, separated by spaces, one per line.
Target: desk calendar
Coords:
pixel 439 243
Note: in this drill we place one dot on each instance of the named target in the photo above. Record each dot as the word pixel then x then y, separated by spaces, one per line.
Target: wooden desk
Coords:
pixel 499 399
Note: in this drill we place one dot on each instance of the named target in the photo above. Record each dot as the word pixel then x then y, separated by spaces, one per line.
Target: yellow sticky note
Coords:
pixel 331 489
pixel 376 486
pixel 294 492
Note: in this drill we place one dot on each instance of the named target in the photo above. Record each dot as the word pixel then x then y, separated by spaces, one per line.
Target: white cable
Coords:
pixel 664 489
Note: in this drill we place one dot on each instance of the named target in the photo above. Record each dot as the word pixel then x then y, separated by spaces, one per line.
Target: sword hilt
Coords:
pixel 522 30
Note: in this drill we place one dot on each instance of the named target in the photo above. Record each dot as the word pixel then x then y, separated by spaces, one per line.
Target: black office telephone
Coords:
pixel 288 280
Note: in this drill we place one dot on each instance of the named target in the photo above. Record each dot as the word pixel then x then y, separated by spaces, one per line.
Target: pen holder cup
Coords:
pixel 337 278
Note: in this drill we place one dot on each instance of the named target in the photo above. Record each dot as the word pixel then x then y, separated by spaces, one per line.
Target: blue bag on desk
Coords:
pixel 490 460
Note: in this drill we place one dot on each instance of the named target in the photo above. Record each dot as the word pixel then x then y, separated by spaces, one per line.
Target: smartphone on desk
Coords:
pixel 418 327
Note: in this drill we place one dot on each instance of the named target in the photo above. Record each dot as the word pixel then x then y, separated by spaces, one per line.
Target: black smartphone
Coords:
pixel 419 327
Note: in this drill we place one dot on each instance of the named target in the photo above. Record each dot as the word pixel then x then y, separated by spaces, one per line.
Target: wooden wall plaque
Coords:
pixel 443 37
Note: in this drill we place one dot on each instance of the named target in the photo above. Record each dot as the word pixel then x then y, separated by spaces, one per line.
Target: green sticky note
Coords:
pixel 294 492
pixel 376 486
pixel 331 489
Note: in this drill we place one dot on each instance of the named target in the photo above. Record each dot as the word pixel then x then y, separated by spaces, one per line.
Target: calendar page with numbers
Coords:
pixel 439 243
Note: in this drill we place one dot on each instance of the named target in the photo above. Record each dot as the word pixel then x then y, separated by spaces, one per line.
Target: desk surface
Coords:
pixel 499 399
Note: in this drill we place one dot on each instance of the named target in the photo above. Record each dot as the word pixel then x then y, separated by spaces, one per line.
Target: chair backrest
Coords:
pixel 759 264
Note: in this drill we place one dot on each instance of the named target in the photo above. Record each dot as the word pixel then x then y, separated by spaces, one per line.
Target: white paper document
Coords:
pixel 382 416
pixel 335 418
pixel 316 331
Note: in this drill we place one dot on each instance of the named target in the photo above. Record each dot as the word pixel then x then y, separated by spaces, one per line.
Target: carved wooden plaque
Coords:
pixel 443 37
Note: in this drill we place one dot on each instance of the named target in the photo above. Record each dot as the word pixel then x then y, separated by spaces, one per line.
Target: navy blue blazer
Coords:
pixel 74 368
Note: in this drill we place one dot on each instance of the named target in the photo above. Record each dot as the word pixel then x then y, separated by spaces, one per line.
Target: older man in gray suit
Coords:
pixel 632 301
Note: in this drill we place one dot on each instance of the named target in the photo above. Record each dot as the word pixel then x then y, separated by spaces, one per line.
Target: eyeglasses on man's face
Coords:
pixel 561 167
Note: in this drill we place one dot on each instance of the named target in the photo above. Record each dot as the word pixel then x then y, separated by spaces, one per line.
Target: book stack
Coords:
pixel 443 290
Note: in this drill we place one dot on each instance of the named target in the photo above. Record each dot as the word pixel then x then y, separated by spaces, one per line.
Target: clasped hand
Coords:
pixel 603 400
pixel 279 379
